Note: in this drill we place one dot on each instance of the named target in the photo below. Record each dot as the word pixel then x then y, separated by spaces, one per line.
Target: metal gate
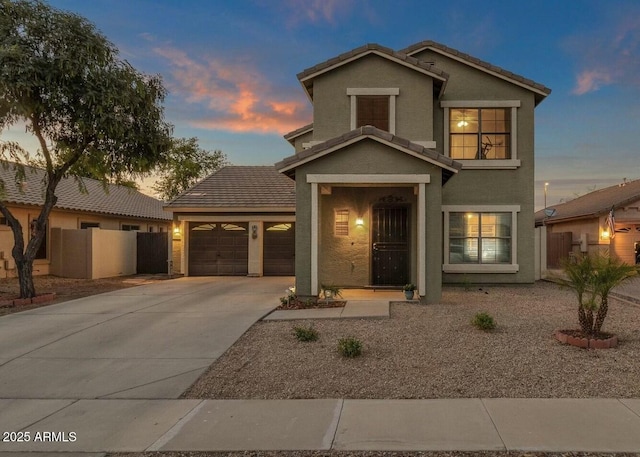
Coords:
pixel 152 252
pixel 390 238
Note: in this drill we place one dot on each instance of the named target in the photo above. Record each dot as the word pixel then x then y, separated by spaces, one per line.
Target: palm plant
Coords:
pixel 592 278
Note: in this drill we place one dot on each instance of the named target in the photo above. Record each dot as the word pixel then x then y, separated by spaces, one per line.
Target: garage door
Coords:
pixel 220 249
pixel 279 249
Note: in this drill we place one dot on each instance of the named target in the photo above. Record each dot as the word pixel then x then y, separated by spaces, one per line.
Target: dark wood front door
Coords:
pixel 390 245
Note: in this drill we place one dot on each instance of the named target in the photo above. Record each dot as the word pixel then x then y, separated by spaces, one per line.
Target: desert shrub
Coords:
pixel 305 333
pixel 350 347
pixel 484 321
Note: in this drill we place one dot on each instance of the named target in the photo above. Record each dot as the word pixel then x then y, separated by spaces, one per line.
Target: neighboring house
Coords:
pixel 418 167
pixel 113 208
pixel 583 225
pixel 238 221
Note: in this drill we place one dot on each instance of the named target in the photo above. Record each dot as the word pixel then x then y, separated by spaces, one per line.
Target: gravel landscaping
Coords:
pixel 433 351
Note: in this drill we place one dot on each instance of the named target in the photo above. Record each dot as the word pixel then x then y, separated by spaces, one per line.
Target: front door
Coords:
pixel 390 245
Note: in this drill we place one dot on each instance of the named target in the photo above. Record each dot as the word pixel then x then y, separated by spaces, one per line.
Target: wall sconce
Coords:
pixel 176 230
pixel 605 234
pixel 359 221
pixel 254 231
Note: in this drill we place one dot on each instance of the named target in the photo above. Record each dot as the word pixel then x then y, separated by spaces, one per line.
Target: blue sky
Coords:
pixel 231 66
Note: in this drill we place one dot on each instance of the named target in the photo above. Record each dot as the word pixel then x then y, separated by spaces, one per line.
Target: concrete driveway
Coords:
pixel 146 342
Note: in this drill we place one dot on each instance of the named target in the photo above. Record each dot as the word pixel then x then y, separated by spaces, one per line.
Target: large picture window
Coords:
pixel 480 133
pixel 479 238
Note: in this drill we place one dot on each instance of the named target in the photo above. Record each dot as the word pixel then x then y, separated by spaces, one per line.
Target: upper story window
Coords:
pixel 373 110
pixel 482 133
pixel 374 106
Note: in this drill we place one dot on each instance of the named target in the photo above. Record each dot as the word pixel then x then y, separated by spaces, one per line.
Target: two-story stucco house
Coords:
pixel 418 167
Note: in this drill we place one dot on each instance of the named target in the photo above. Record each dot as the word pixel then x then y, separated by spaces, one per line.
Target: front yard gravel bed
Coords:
pixel 433 351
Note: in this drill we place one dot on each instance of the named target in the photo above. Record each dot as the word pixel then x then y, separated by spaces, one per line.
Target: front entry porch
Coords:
pixel 370 230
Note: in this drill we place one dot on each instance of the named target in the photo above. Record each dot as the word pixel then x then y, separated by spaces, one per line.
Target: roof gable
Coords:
pixel 307 76
pixel 539 90
pixel 114 200
pixel 448 165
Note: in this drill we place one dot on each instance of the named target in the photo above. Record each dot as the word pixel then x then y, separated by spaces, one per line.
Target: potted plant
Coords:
pixel 592 278
pixel 409 290
pixel 330 292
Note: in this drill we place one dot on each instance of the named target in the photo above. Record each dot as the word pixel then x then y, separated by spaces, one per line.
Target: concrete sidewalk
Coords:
pixel 546 425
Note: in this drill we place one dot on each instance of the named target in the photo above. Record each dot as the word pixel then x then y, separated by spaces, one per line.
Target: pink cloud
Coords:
pixel 611 55
pixel 236 96
pixel 592 80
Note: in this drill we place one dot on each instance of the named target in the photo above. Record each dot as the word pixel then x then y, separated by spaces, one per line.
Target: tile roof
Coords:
pixel 305 76
pixel 449 165
pixel 593 204
pixel 116 200
pixel 240 187
pixel 438 47
pixel 299 131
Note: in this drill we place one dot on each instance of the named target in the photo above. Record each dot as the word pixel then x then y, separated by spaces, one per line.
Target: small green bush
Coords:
pixel 305 333
pixel 350 347
pixel 484 321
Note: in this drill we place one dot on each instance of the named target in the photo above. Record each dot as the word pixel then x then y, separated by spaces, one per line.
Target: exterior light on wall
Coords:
pixel 359 221
pixel 605 234
pixel 254 231
pixel 176 230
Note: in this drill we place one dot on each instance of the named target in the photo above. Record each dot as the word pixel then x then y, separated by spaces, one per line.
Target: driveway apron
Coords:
pixel 146 342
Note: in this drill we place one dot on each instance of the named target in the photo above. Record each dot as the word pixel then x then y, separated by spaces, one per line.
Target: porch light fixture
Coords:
pixel 176 230
pixel 605 234
pixel 359 222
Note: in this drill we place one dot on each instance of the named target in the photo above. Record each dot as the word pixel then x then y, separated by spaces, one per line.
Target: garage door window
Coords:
pixel 204 227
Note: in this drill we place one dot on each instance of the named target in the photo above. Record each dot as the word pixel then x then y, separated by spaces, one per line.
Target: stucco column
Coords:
pixel 256 244
pixel 314 238
pixel 422 237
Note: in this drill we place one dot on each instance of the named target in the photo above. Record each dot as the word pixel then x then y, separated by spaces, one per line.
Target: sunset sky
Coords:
pixel 231 66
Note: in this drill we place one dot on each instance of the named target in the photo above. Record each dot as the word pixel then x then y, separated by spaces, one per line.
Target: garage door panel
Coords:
pixel 218 249
pixel 279 249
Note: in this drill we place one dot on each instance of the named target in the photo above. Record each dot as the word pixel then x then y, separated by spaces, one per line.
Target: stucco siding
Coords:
pixel 332 106
pixel 347 261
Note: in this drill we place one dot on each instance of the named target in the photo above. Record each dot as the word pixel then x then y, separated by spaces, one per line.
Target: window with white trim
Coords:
pixel 482 133
pixel 480 238
pixel 479 133
pixel 373 106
